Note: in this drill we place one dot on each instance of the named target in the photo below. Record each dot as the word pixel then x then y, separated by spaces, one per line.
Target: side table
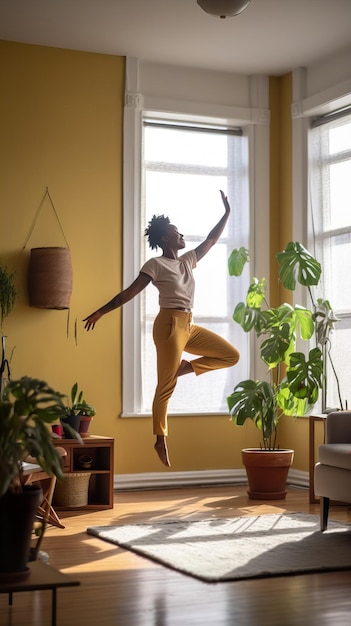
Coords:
pixel 312 460
pixel 41 577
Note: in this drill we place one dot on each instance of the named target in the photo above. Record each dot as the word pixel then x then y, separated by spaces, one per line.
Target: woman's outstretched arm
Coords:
pixel 216 232
pixel 119 300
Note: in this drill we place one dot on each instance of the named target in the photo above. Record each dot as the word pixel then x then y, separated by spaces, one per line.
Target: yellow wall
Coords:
pixel 62 129
pixel 293 433
pixel 62 116
pixel 280 98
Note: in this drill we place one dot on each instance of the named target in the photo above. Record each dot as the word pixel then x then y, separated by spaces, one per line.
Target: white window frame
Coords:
pixel 254 121
pixel 332 396
pixel 304 110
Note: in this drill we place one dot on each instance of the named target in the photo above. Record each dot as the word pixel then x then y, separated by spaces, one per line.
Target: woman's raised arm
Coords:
pixel 216 232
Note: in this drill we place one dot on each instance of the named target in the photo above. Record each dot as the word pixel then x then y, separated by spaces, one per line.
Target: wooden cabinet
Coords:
pixel 101 452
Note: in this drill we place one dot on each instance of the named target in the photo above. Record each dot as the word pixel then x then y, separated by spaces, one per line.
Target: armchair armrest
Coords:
pixel 338 427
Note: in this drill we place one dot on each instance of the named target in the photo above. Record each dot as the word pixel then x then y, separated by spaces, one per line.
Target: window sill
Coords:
pixel 131 415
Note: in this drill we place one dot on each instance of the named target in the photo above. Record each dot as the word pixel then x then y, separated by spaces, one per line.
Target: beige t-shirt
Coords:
pixel 174 279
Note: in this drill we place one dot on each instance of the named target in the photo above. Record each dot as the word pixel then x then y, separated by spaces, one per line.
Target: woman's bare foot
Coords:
pixel 184 368
pixel 161 449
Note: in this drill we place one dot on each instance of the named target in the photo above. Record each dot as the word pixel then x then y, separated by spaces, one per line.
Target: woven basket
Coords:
pixel 72 491
pixel 50 278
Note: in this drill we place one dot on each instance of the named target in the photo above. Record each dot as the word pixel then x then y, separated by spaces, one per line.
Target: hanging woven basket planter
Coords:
pixel 50 278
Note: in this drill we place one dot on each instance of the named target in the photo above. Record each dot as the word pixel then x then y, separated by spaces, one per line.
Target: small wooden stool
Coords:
pixel 33 473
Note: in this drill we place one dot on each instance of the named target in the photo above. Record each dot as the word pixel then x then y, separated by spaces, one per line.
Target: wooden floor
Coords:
pixel 119 588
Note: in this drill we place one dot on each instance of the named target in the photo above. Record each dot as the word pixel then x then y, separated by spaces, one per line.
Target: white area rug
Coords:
pixel 242 547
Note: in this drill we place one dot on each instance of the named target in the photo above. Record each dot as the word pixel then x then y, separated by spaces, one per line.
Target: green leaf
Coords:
pixel 245 316
pixel 237 261
pixel 249 400
pixel 256 293
pixel 305 377
pixel 249 314
pixel 297 264
pixel 324 319
pixel 74 391
pixel 274 348
pixel 289 404
pixel 305 322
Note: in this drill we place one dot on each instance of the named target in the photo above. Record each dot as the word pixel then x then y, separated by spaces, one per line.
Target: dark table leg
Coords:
pixel 53 608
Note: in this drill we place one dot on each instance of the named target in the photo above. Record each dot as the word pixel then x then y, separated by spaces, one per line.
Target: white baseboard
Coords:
pixel 174 480
pixel 297 478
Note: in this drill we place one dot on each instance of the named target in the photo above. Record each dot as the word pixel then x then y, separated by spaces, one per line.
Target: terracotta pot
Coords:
pixel 267 472
pixel 84 425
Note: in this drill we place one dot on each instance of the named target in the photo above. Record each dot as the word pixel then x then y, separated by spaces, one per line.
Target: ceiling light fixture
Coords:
pixel 223 8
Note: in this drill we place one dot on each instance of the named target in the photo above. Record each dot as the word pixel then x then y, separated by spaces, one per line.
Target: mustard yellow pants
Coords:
pixel 174 333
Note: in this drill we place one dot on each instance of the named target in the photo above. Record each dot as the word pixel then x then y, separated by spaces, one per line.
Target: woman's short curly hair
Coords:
pixel 156 227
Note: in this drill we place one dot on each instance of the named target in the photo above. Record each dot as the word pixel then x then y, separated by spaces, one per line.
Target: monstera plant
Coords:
pixel 295 379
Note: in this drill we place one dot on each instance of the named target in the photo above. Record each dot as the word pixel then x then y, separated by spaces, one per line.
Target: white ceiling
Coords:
pixel 269 37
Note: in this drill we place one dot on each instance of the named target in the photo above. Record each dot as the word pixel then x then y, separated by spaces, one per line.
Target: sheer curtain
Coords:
pixel 184 167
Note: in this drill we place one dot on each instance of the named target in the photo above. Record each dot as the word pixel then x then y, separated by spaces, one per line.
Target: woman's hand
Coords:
pixel 91 320
pixel 225 202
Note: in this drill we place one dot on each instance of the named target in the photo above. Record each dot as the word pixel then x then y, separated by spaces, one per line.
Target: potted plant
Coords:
pixel 8 295
pixel 294 381
pixel 76 413
pixel 8 292
pixel 27 407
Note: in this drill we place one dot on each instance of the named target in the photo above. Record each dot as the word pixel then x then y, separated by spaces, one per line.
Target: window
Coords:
pixel 330 177
pixel 184 167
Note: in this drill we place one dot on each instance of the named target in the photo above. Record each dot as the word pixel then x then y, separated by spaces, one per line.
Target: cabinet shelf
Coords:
pixel 100 451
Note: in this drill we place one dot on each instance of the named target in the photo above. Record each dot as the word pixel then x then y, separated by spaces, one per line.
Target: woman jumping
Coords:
pixel 173 329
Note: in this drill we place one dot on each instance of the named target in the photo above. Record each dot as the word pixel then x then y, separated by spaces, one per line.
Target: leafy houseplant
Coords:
pixel 27 407
pixel 294 380
pixel 72 414
pixel 8 295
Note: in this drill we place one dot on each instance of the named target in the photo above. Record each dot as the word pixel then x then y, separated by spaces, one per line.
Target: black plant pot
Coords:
pixel 72 421
pixel 17 516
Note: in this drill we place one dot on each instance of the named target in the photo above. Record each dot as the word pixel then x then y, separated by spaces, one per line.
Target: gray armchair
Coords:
pixel 332 473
